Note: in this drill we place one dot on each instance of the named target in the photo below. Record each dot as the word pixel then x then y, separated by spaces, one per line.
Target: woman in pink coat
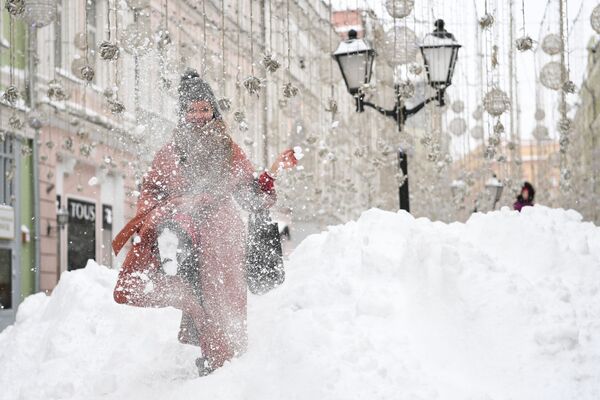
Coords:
pixel 187 205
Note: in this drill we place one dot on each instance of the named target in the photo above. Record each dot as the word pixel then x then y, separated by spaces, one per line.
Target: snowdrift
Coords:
pixel 506 306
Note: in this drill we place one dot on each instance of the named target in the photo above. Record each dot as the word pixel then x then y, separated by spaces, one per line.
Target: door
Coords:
pixel 81 233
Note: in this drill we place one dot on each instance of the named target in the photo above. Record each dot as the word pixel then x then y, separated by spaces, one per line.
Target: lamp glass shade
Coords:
pixel 355 58
pixel 440 51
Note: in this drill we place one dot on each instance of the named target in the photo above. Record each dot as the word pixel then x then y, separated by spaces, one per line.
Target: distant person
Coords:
pixel 525 199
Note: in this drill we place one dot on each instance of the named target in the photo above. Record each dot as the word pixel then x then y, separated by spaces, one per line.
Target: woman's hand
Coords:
pixel 285 160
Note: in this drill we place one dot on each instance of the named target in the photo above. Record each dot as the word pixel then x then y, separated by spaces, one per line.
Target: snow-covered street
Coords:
pixel 506 306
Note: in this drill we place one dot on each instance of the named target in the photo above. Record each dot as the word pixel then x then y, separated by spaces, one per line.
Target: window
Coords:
pixel 5 279
pixel 7 170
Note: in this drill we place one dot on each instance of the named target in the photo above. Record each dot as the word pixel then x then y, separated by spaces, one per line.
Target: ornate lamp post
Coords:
pixel 494 188
pixel 356 56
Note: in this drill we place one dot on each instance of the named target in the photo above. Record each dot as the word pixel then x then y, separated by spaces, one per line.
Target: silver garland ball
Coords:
pixel 39 13
pixel 569 87
pixel 80 41
pixel 116 107
pixel 162 38
pixel 399 8
pixel 563 143
pixel 34 120
pixel 486 21
pixel 224 104
pixel 564 126
pixel 458 106
pixel 477 132
pixel 15 122
pixel 15 7
pixel 478 113
pixel 524 43
pixel 496 102
pixel 270 63
pixel 109 51
pixel 552 44
pixel 290 90
pixel 539 114
pixel 11 95
pixel 458 126
pixel 253 85
pixel 239 116
pixel 87 73
pixel 406 46
pixel 540 132
pixel 56 90
pixel 499 128
pixel 415 69
pixel 553 75
pixel 406 90
pixel 595 18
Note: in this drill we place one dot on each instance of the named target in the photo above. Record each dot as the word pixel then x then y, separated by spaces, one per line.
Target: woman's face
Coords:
pixel 199 113
pixel 525 194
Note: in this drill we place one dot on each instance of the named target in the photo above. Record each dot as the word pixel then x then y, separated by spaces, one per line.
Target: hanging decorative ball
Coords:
pixel 595 18
pixel 563 143
pixel 34 121
pixel 399 8
pixel 26 151
pixel 498 128
pixel 331 106
pixel 486 21
pixel 11 95
pixel 109 51
pixel 39 13
pixel 496 102
pixel 405 90
pixel 477 132
pixel 138 4
pixel 478 113
pixel 539 114
pixel 87 73
pixel 458 126
pixel 252 85
pixel 15 7
pixel 243 126
pixel 239 116
pixel 282 102
pixel 270 63
pixel 68 144
pixel 569 87
pixel 224 104
pixel 116 107
pixel 552 44
pixel 76 65
pixel 458 106
pixel 136 39
pixel 553 75
pixel 406 46
pixel 524 43
pixel 81 133
pixel 540 132
pixel 248 141
pixel 50 144
pixel 80 41
pixel 290 90
pixel 162 38
pixel 85 150
pixel 564 125
pixel 56 90
pixel 415 69
pixel 15 122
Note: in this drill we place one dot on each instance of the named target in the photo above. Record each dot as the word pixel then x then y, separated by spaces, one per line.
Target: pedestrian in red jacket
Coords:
pixel 187 204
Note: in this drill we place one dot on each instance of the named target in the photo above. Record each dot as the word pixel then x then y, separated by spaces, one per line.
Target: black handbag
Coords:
pixel 264 257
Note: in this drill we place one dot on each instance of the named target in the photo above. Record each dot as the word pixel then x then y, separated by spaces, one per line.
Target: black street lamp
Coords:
pixel 356 56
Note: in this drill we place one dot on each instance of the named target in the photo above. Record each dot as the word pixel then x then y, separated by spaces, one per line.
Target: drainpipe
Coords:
pixel 32 47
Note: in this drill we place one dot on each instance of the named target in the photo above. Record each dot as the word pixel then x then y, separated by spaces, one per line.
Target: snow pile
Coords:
pixel 506 306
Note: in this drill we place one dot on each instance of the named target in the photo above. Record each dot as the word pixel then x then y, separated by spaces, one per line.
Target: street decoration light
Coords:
pixel 355 57
pixel 494 188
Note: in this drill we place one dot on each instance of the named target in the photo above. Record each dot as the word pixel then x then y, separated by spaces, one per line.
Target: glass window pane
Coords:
pixel 5 279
